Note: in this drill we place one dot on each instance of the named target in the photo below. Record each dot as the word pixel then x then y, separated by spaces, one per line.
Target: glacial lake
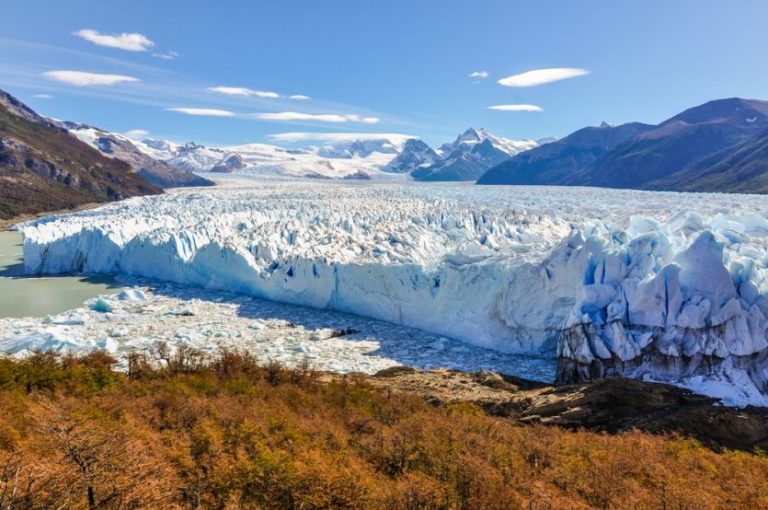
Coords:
pixel 23 296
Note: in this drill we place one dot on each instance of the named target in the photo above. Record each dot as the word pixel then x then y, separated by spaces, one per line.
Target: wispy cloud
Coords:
pixel 136 134
pixel 124 41
pixel 243 91
pixel 300 97
pixel 541 76
pixel 479 75
pixel 322 117
pixel 203 112
pixel 22 64
pixel 85 79
pixel 168 55
pixel 337 137
pixel 43 96
pixel 516 108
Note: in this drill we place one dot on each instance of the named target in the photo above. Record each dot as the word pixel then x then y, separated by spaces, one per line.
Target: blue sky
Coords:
pixel 375 66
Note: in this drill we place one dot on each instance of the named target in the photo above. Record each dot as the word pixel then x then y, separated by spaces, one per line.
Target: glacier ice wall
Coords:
pixel 657 285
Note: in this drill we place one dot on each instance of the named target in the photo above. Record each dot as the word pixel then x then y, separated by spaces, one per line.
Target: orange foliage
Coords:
pixel 185 431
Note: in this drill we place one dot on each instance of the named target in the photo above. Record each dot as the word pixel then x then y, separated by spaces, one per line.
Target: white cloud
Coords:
pixel 83 79
pixel 324 117
pixel 300 97
pixel 337 137
pixel 205 112
pixel 124 41
pixel 43 96
pixel 481 75
pixel 242 91
pixel 168 55
pixel 136 134
pixel 516 108
pixel 541 76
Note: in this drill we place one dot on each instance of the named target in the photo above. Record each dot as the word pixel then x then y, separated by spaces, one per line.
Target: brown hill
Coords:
pixel 44 168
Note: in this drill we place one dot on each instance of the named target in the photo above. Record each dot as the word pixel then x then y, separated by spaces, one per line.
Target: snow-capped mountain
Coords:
pixel 347 159
pixel 472 137
pixel 151 168
pixel 229 164
pixel 470 155
pixel 360 148
pixel 191 156
pixel 415 154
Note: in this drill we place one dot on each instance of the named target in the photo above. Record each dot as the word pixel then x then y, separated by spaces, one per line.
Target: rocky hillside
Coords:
pixel 557 162
pixel 718 146
pixel 742 168
pixel 154 171
pixel 44 168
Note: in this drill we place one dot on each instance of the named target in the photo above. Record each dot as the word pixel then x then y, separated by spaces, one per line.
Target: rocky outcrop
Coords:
pixel 155 171
pixel 612 405
pixel 229 164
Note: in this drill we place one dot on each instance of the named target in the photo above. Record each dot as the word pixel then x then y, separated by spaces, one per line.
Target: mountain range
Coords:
pixel 153 170
pixel 466 158
pixel 162 164
pixel 346 159
pixel 44 168
pixel 469 156
pixel 719 146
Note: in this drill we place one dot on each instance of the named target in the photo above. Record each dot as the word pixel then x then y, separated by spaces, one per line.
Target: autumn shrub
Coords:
pixel 188 430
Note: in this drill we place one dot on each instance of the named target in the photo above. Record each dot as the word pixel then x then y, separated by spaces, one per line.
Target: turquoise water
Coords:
pixel 22 296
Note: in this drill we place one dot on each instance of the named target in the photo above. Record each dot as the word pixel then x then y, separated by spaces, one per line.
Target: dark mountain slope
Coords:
pixel 681 141
pixel 742 168
pixel 699 149
pixel 44 168
pixel 415 154
pixel 558 162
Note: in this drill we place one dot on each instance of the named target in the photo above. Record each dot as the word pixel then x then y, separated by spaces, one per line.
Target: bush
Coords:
pixel 184 430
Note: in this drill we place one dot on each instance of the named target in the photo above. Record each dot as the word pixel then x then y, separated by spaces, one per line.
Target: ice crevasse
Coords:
pixel 664 286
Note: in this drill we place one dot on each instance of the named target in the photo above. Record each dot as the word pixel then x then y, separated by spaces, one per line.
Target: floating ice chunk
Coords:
pixel 100 305
pixel 68 319
pixel 323 334
pixel 131 295
pixel 108 344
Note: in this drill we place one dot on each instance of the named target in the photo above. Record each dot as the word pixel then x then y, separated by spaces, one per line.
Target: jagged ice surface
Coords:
pixel 656 285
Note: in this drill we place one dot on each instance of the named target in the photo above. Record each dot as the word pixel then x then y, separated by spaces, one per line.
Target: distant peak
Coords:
pixel 472 133
pixel 606 124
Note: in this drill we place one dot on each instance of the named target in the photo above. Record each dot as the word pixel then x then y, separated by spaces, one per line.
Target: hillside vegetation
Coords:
pixel 43 168
pixel 224 432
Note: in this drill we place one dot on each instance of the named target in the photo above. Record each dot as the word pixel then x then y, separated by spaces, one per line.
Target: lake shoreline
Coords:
pixel 7 225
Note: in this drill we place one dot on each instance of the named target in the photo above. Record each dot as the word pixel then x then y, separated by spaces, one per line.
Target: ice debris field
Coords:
pixel 661 286
pixel 141 315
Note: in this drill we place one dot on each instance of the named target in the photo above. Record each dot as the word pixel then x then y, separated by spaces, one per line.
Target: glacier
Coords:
pixel 661 286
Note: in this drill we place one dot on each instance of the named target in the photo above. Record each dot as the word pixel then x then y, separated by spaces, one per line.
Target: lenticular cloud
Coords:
pixel 541 76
